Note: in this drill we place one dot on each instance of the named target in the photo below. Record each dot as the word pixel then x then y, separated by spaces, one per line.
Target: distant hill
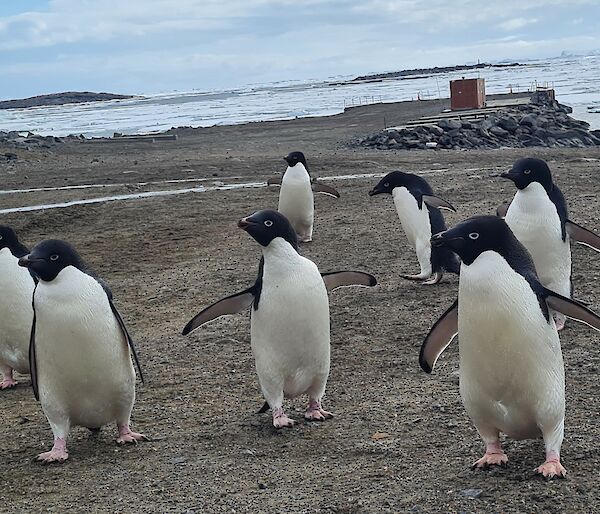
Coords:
pixel 430 71
pixel 70 97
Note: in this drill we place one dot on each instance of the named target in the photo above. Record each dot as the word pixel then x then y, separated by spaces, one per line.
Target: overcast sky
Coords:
pixel 145 46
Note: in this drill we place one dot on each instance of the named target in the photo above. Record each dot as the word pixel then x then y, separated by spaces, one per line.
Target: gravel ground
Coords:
pixel 400 440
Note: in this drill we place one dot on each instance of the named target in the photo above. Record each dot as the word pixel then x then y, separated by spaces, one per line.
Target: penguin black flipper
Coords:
pixel 438 203
pixel 128 338
pixel 326 190
pixel 233 304
pixel 440 336
pixel 572 309
pixel 335 279
pixel 32 360
pixel 583 236
pixel 274 181
pixel 502 209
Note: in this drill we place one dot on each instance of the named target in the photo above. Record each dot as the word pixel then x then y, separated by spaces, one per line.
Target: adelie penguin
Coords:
pixel 419 212
pixel 512 377
pixel 16 313
pixel 296 201
pixel 80 350
pixel 289 321
pixel 538 217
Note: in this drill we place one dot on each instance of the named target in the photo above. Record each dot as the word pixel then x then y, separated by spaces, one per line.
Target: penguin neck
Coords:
pixel 532 198
pixel 297 173
pixel 280 251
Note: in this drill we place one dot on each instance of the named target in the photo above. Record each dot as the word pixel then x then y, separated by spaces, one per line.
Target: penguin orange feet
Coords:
pixel 436 278
pixel 494 456
pixel 552 468
pixel 280 420
pixel 315 412
pixel 127 436
pixel 58 453
pixel 8 382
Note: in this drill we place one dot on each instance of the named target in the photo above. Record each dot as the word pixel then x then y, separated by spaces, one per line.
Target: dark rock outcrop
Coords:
pixel 541 122
pixel 70 97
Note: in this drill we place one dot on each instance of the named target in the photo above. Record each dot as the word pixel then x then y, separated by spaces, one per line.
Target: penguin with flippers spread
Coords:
pixel 289 321
pixel 511 367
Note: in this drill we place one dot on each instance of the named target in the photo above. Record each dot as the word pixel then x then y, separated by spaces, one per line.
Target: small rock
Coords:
pixel 472 493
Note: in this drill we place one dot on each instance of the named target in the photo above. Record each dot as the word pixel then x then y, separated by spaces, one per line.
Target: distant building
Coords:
pixel 467 94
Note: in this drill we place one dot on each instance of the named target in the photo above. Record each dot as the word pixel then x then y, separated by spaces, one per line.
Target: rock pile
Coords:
pixel 31 141
pixel 541 122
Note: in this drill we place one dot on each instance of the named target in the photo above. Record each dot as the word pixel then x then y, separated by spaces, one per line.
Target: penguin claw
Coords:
pixel 551 469
pixel 414 277
pixel 57 454
pixel 126 436
pixel 283 422
pixel 317 415
pixel 8 383
pixel 436 278
pixel 491 459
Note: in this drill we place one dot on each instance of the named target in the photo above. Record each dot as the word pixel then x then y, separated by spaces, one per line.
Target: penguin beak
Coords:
pixel 437 240
pixel 246 223
pixel 510 175
pixel 373 192
pixel 442 239
pixel 25 261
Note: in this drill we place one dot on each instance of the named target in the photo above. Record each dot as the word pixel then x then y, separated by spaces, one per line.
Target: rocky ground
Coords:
pixel 400 441
pixel 541 122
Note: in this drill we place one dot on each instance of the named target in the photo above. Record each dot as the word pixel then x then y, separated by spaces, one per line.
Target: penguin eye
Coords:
pixel 387 184
pixel 54 257
pixel 0 238
pixel 268 223
pixel 474 235
pixel 527 172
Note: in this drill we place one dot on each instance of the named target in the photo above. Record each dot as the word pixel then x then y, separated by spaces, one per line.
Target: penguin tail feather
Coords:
pixel 264 408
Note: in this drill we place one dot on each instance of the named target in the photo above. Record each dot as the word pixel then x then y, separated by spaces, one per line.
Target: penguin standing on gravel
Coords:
pixel 419 212
pixel 289 317
pixel 80 350
pixel 16 313
pixel 512 377
pixel 538 217
pixel 296 201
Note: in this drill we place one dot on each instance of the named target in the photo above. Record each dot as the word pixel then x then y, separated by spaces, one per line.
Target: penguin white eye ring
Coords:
pixel 387 184
pixel 268 223
pixel 474 235
pixel 54 257
pixel 527 172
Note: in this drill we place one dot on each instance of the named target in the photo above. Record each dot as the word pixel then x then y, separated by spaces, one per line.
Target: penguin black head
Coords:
pixel 397 179
pixel 528 170
pixel 476 235
pixel 294 158
pixel 50 257
pixel 8 239
pixel 264 226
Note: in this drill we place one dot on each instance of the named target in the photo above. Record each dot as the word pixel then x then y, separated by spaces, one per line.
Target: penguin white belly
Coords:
pixel 535 222
pixel 416 225
pixel 511 365
pixel 85 373
pixel 290 330
pixel 296 200
pixel 16 312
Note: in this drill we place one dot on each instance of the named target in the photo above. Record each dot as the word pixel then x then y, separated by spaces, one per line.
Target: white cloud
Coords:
pixel 516 23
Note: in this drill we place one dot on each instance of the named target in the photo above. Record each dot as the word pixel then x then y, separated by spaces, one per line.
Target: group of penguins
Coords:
pixel 59 324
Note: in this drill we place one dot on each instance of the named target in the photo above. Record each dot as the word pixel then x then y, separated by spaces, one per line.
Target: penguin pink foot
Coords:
pixel 280 420
pixel 436 278
pixel 552 468
pixel 315 412
pixel 8 381
pixel 494 456
pixel 420 277
pixel 127 436
pixel 58 453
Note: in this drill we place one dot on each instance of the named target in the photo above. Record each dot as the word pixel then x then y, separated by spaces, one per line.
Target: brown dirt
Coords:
pixel 165 258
